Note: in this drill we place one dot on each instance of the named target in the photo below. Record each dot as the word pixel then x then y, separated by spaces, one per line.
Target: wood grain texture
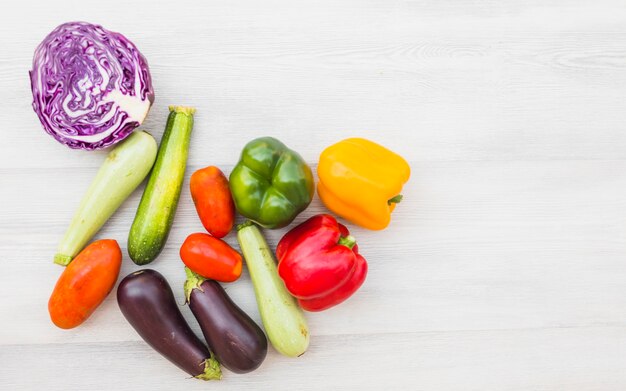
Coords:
pixel 504 267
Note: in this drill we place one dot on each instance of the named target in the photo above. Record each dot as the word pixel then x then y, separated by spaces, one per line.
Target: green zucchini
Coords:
pixel 123 170
pixel 282 318
pixel 157 208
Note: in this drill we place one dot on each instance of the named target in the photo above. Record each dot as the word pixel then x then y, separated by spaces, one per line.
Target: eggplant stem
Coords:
pixel 192 282
pixel 212 370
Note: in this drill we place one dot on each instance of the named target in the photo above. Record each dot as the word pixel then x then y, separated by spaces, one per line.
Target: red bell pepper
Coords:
pixel 320 263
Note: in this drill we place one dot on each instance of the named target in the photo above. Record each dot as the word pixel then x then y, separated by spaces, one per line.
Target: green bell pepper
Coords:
pixel 271 184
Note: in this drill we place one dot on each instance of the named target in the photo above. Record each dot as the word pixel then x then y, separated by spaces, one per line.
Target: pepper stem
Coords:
pixel 395 200
pixel 348 241
pixel 193 282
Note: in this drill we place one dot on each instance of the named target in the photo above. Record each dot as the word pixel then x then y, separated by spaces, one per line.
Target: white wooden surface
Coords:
pixel 505 266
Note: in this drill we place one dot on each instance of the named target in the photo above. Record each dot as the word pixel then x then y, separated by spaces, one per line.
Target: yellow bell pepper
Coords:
pixel 361 181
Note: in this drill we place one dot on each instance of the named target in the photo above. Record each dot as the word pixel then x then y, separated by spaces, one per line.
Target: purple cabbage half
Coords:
pixel 91 86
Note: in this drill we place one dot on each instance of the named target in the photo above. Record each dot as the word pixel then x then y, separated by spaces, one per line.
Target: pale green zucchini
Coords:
pixel 282 318
pixel 125 167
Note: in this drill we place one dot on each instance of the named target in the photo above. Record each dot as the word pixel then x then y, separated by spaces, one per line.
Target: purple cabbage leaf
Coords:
pixel 91 86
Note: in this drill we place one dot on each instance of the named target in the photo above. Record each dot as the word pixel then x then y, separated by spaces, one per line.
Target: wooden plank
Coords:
pixel 531 359
pixel 504 266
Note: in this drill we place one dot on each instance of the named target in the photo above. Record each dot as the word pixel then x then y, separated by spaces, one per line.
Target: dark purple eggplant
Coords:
pixel 147 302
pixel 238 343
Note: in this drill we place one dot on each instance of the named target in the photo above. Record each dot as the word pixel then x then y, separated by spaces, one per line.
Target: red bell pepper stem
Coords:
pixel 348 241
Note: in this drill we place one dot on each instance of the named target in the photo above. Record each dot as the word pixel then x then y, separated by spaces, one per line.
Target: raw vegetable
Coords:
pixel 122 171
pixel 283 320
pixel 157 208
pixel 361 181
pixel 271 184
pixel 147 302
pixel 85 283
pixel 91 86
pixel 211 257
pixel 320 263
pixel 238 343
pixel 213 201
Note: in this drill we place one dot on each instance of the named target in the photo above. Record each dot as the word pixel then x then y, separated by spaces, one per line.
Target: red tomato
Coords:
pixel 211 257
pixel 85 283
pixel 214 203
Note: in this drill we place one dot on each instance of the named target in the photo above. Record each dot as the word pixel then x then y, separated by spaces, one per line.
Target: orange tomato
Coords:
pixel 214 203
pixel 85 283
pixel 211 257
